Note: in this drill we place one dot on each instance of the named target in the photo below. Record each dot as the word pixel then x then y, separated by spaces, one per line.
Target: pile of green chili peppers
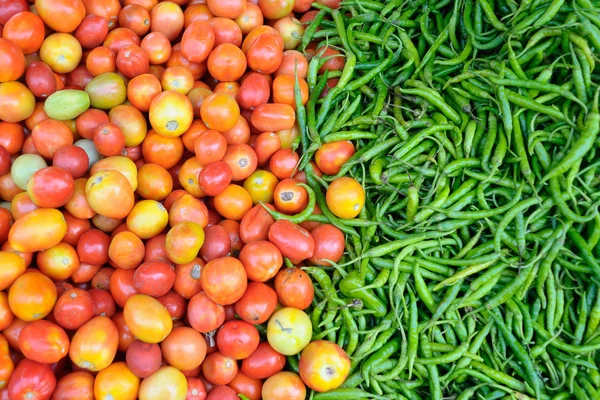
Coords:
pixel 473 269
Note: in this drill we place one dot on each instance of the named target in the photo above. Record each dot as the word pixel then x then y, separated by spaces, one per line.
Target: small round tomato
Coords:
pixel 214 178
pixel 284 385
pixel 210 146
pixel 62 52
pixel 293 62
pixel 290 197
pixel 261 259
pixel 44 342
pixel 257 304
pixel 177 78
pixel 116 381
pixel 142 89
pixel 283 163
pixel 17 103
pixel 226 63
pixel 323 365
pixel 58 262
pixel 40 79
pixel 265 53
pixel 183 242
pixel 31 380
pixel 161 150
pixel 331 156
pixel 219 369
pixel 167 383
pixel 329 245
pixel 256 223
pixel 265 145
pixel 143 359
pixel 289 331
pixel 237 339
pixel 184 348
pixel 226 8
pixel 345 197
pixel 219 111
pixel 261 186
pixel 94 345
pixel 203 314
pixel 154 182
pixel 73 309
pixel 32 296
pixel 292 240
pixel 233 202
pixel 132 61
pixel 147 318
pixel 294 288
pixel 154 278
pixel 264 362
pixel 50 187
pixel 224 280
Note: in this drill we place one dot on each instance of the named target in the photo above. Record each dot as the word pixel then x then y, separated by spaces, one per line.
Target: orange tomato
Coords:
pixel 171 114
pixel 75 385
pixel 94 345
pixel 227 62
pixel 7 365
pixel 273 117
pixel 323 365
pixel 126 250
pixel 142 89
pixel 16 102
pixel 233 202
pixel 13 266
pixel 58 262
pixel 154 182
pixel 6 314
pixel 188 177
pixel 26 30
pixel 284 385
pixel 224 280
pixel 38 230
pixel 161 150
pixel 116 382
pixel 167 17
pixel 147 318
pixel 44 342
pixel 188 208
pixel 132 123
pixel 183 242
pixel 167 383
pixel 283 90
pixel 226 8
pixel 77 204
pixel 184 348
pixel 61 15
pixel 197 41
pixel 32 296
pixel 105 189
pixel 345 197
pixel 11 56
pixel 220 112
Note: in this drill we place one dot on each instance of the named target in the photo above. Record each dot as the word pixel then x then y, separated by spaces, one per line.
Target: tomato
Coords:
pixel 289 331
pixel 294 288
pixel 283 90
pixel 247 386
pixel 345 197
pixel 242 161
pixel 323 365
pixel 8 8
pixel 263 362
pixel 147 219
pixel 58 262
pixel 254 91
pixel 290 197
pixel 147 318
pixel 167 17
pixel 104 304
pixel 265 145
pixel 197 41
pixel 233 202
pixel 184 348
pixel 6 314
pixel 284 385
pixel 188 208
pixel 291 30
pixel 210 147
pixel 226 8
pixel 196 12
pixel 75 385
pixel 331 156
pixel 214 178
pixel 61 51
pixel 44 342
pixel 12 136
pixel 142 89
pixel 220 112
pixel 158 48
pixel 261 259
pixel 100 60
pixel 196 389
pixel 154 278
pixel 224 280
pixel 126 250
pixel 237 339
pixel 16 102
pixel 250 18
pixel 183 242
pixel 283 163
pixel 136 18
pixel 255 224
pixel 109 9
pixel 261 186
pixel 161 150
pixel 293 62
pixel 117 381
pixel 178 79
pixel 240 133
pixel 154 182
pixel 226 31
pixel 92 31
pixel 156 249
pixel 72 159
pixel 217 243
pixel 329 245
pixel 227 62
pixel 49 136
pixel 292 240
pixel 276 9
pixel 13 266
pixel 167 383
pixel 171 113
pixel 32 296
pixel 61 15
pixel 25 29
pixel 187 278
pixel 106 91
pixel 257 304
pixel 273 117
pixel 203 314
pixel 31 380
pixel 93 247
pixel 73 309
pixel 50 187
pixel 131 122
pixel 143 359
pixel 94 345
pixel 219 369
pixel 265 54
pixel 112 186
pixel 175 305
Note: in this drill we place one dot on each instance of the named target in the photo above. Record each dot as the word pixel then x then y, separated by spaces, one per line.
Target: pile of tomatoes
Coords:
pixel 138 255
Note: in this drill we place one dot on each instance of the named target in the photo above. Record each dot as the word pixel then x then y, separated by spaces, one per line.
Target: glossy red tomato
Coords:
pixel 261 259
pixel 214 178
pixel 254 91
pixel 265 54
pixel 224 280
pixel 154 278
pixel 31 380
pixel 290 197
pixel 237 339
pixel 44 342
pixel 226 62
pixel 294 288
pixel 264 362
pixel 226 8
pixel 50 187
pixel 329 245
pixel 257 304
pixel 217 243
pixel 292 240
pixel 219 369
pixel 196 389
pixel 255 224
pixel 73 309
pixel 331 156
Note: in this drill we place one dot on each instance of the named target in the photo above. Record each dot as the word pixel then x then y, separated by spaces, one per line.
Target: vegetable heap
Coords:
pixel 472 271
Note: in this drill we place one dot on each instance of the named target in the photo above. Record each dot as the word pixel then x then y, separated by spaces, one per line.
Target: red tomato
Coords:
pixel 44 342
pixel 50 187
pixel 196 389
pixel 92 31
pixel 210 147
pixel 73 309
pixel 284 385
pixel 283 90
pixel 263 363
pixel 261 259
pixel 227 62
pixel 143 359
pixel 31 381
pixel 40 79
pixel 265 54
pixel 237 339
pixel 257 304
pixel 214 178
pixel 75 385
pixel 293 62
pixel 220 112
pixel 203 314
pixel 294 288
pixel 167 17
pixel 224 280
pixel 254 91
pixel 293 241
pixel 219 369
pixel 222 392
pixel 197 41
pixel 217 243
pixel 92 247
pixel 331 156
pixel 187 278
pixel 290 197
pixel 283 163
pixel 175 305
pixel 247 386
pixel 132 61
pixel 242 160
pixel 154 278
pixel 255 224
pixel 329 245
pixel 72 159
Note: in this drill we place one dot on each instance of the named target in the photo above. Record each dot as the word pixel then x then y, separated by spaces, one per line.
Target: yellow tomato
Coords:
pixel 345 197
pixel 183 242
pixel 116 382
pixel 323 365
pixel 120 164
pixel 95 344
pixel 147 219
pixel 289 331
pixel 167 383
pixel 147 318
pixel 37 230
pixel 260 185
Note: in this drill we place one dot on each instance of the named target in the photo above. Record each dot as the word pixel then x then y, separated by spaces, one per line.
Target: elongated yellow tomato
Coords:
pixel 116 382
pixel 147 318
pixel 167 383
pixel 95 344
pixel 37 230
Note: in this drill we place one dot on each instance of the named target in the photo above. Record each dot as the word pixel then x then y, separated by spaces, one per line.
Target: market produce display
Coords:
pixel 279 199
